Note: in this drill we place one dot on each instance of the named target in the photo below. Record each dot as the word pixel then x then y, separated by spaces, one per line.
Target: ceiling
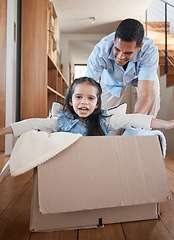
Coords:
pixel 74 17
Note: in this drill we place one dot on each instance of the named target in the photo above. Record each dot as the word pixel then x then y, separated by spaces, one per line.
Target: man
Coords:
pixel 123 58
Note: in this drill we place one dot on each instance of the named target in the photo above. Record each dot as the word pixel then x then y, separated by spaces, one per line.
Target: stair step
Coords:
pixel 162 46
pixel 169 80
pixel 170 52
pixel 170 69
pixel 161 42
pixel 156 26
pixel 158 36
pixel 162 60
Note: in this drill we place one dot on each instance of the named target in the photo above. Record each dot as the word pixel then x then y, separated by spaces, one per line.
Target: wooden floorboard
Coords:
pixel 15 201
pixel 3 160
pixel 108 232
pixel 146 230
pixel 169 162
pixel 14 220
pixel 61 235
pixel 11 187
pixel 170 176
pixel 167 215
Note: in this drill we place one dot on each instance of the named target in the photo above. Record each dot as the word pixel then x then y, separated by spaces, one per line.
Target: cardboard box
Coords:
pixel 100 180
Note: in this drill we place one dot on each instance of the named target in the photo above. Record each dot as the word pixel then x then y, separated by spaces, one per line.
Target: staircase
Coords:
pixel 156 31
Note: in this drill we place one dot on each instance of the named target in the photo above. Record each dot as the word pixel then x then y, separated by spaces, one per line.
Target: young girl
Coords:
pixel 82 113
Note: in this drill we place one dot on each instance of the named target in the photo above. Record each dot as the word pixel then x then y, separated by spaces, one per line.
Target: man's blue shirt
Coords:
pixel 142 66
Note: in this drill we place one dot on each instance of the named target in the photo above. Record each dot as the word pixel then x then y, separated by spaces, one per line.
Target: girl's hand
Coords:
pixel 158 124
pixel 7 130
pixel 49 133
pixel 170 124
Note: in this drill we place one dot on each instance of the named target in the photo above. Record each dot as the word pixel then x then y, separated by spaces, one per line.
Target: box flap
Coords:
pixel 103 172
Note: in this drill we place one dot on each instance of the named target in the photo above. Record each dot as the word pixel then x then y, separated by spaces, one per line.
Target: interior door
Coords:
pixel 3 44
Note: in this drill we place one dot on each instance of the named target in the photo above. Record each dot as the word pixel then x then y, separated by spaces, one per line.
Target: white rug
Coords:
pixel 33 148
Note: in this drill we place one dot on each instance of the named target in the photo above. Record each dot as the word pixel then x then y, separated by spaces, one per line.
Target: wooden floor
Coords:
pixel 15 199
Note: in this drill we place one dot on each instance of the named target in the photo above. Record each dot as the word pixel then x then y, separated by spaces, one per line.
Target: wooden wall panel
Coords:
pixel 34 59
pixel 3 44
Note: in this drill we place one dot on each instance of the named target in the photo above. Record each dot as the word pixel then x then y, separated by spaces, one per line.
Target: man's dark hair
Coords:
pixel 130 30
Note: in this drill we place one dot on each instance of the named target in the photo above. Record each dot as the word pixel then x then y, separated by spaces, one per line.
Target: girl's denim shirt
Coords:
pixel 67 123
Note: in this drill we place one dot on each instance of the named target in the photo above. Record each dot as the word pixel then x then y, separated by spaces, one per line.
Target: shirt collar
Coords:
pixel 137 57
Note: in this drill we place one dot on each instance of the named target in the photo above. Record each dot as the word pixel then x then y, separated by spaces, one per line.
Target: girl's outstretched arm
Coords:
pixel 43 124
pixel 158 123
pixel 6 130
pixel 137 120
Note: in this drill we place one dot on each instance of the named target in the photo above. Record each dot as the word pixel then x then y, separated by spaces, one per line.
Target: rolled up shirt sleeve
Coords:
pixel 125 121
pixel 43 124
pixel 149 63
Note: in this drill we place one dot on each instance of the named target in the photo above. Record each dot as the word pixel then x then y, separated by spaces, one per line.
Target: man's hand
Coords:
pixel 144 96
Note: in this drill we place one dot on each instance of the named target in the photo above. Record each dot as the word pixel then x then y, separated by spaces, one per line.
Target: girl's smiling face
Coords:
pixel 84 100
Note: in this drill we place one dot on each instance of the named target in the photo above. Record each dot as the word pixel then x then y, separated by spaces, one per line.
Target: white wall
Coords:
pixel 10 72
pixel 171 16
pixel 65 42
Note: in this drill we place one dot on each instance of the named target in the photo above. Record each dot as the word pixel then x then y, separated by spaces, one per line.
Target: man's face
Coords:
pixel 124 51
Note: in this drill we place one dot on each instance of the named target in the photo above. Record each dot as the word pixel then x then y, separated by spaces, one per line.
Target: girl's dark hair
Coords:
pixel 130 30
pixel 93 121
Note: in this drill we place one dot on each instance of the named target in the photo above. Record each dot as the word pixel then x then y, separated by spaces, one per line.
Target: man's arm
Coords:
pixel 95 64
pixel 144 96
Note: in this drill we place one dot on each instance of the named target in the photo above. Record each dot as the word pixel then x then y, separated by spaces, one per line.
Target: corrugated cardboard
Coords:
pixel 100 179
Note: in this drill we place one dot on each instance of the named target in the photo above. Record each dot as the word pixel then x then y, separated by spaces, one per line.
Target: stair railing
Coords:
pixel 166 4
